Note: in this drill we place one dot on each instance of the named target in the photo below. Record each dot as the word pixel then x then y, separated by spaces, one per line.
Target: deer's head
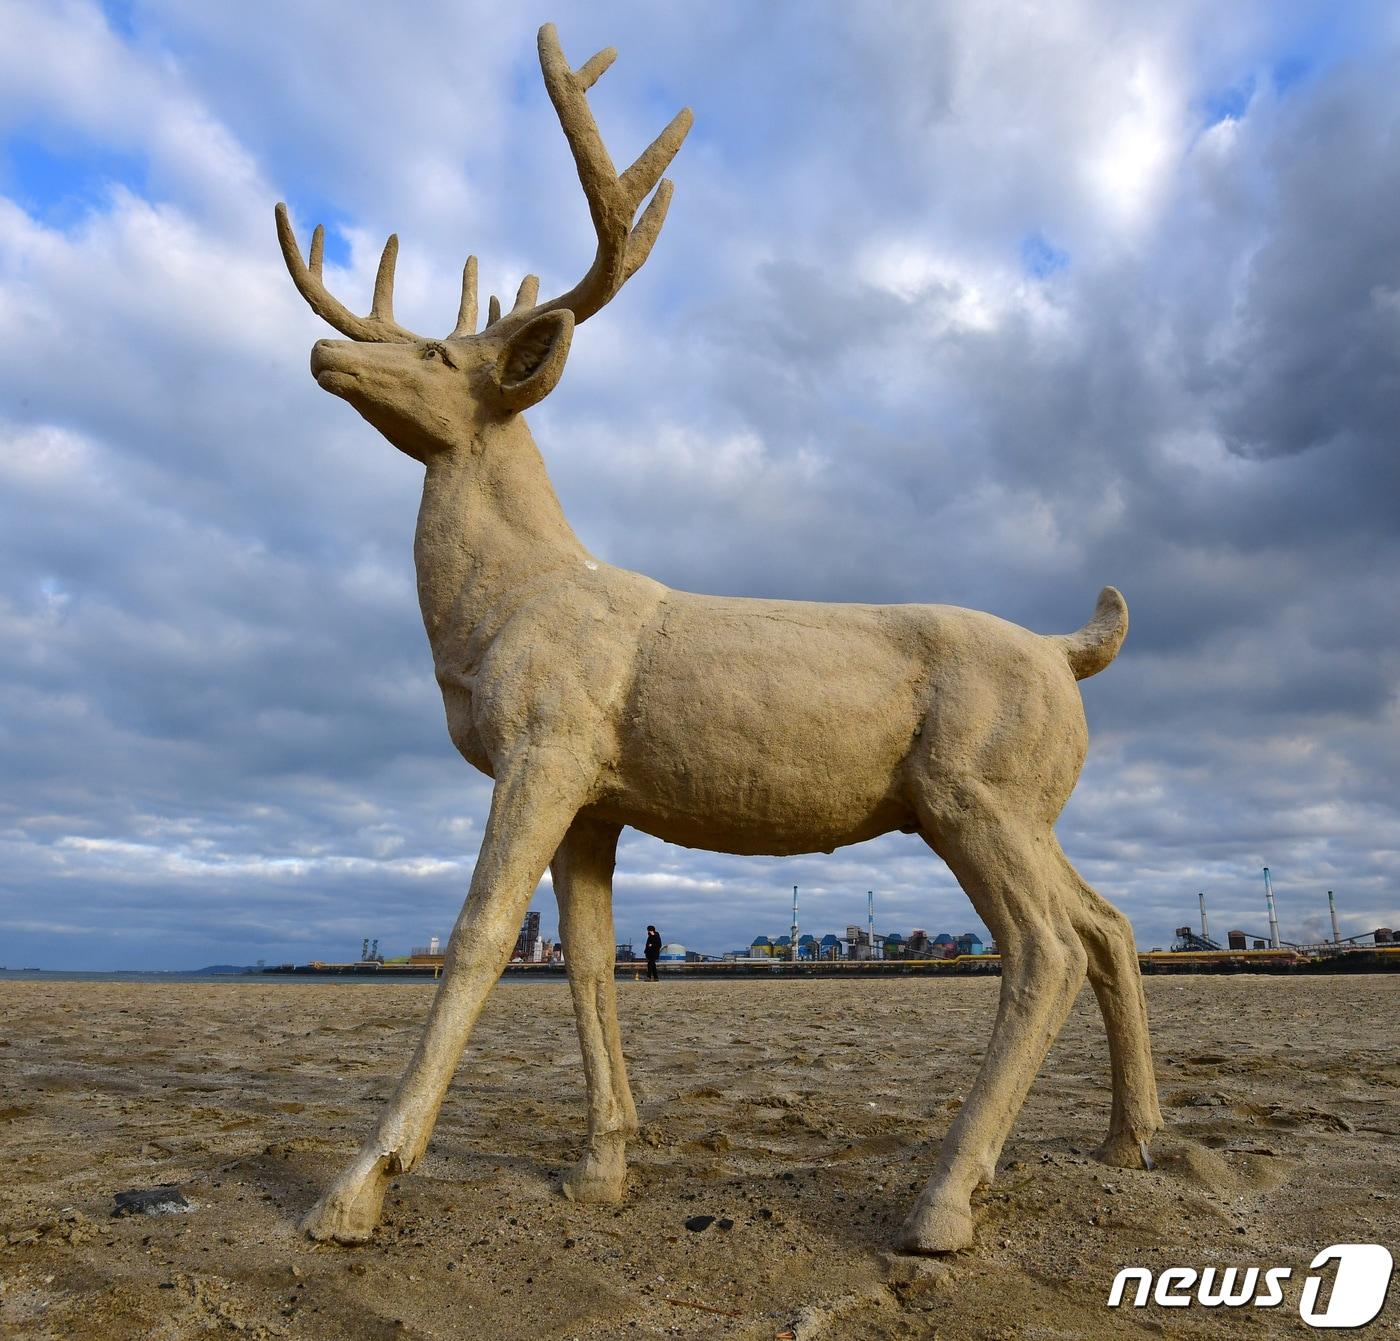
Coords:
pixel 427 396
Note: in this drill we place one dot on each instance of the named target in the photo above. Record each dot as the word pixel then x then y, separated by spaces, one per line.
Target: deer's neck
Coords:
pixel 488 527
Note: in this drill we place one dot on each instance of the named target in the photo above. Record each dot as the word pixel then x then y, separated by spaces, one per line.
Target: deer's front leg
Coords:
pixel 583 869
pixel 536 797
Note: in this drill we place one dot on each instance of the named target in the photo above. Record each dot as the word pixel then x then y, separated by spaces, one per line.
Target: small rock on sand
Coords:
pixel 150 1201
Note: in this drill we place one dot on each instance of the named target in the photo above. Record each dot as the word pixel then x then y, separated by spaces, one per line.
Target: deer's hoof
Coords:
pixel 1123 1150
pixel 936 1229
pixel 600 1177
pixel 351 1206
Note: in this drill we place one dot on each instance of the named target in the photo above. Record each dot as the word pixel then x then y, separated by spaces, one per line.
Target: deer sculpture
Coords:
pixel 597 698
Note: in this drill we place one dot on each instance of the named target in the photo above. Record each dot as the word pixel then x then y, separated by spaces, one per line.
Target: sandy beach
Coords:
pixel 807 1114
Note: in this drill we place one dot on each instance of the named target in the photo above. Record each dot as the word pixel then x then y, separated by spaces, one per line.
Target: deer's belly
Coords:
pixel 775 833
pixel 795 765
pixel 777 804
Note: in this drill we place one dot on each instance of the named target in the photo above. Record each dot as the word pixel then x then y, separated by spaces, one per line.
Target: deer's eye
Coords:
pixel 438 350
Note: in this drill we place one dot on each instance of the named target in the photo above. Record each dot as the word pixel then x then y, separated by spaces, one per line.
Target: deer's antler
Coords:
pixel 613 200
pixel 380 324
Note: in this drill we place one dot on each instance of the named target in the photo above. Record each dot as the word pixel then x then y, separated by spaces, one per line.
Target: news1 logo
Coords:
pixel 1357 1295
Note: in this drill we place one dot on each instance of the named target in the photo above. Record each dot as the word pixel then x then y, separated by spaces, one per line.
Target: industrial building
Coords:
pixel 528 948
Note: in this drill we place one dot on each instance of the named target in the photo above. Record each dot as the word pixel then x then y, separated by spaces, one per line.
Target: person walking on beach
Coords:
pixel 653 950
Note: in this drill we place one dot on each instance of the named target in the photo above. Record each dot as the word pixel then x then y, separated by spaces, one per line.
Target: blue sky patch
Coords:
pixel 1228 104
pixel 120 16
pixel 61 181
pixel 1040 258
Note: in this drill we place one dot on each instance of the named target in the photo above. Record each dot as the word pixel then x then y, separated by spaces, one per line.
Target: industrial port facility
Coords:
pixel 862 952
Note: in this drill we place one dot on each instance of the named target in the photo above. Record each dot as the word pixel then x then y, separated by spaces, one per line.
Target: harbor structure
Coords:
pixel 1273 914
pixel 1368 952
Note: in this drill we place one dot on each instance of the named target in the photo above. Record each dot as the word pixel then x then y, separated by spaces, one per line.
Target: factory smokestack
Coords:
pixel 1332 908
pixel 1205 926
pixel 870 918
pixel 1273 916
pixel 794 924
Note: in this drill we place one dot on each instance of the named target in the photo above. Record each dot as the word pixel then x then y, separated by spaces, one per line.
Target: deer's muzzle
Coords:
pixel 333 365
pixel 326 357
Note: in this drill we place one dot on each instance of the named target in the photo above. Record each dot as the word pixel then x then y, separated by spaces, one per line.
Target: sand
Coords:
pixel 805 1113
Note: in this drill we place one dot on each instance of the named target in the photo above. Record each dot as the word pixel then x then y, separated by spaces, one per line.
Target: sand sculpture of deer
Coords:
pixel 597 698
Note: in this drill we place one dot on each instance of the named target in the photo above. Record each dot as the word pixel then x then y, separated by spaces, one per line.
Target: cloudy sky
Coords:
pixel 979 303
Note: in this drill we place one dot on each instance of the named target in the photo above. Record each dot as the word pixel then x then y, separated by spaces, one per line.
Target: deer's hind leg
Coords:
pixel 1007 869
pixel 1117 982
pixel 583 870
pixel 536 796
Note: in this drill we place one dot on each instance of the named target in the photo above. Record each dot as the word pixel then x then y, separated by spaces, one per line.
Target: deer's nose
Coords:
pixel 326 356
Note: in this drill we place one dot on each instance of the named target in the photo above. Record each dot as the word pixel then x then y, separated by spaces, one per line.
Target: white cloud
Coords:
pixel 1127 169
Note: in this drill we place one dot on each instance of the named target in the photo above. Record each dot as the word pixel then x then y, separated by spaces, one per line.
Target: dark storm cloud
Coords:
pixel 1316 361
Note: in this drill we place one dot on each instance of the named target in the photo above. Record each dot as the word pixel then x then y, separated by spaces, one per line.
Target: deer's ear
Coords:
pixel 532 360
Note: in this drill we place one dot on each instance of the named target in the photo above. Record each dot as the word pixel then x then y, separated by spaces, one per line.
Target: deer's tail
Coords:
pixel 1097 643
